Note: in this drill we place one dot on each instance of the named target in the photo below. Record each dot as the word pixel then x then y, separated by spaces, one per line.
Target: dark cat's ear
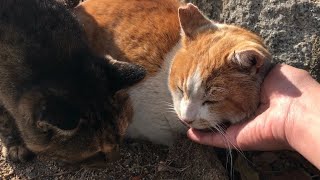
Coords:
pixel 252 59
pixel 118 74
pixel 192 20
pixel 123 74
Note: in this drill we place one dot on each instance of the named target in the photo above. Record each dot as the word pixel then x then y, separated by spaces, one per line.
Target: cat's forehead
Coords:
pixel 210 50
pixel 224 37
pixel 193 84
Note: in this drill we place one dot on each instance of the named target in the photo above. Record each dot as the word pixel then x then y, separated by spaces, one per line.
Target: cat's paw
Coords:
pixel 18 153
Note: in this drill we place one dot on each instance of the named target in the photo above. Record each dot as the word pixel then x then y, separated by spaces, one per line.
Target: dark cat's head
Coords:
pixel 79 113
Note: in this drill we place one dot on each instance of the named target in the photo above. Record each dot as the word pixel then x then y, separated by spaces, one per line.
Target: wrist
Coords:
pixel 302 127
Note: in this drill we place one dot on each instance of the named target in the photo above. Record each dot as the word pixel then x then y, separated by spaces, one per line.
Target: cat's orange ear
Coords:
pixel 192 20
pixel 251 59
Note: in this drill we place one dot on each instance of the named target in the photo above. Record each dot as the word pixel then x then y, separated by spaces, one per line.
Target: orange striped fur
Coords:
pixel 138 31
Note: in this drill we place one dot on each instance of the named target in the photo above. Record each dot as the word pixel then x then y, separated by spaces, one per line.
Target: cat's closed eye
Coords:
pixel 180 90
pixel 209 102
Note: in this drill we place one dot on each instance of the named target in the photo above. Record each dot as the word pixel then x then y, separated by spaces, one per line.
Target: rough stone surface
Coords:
pixel 291 28
pixel 187 160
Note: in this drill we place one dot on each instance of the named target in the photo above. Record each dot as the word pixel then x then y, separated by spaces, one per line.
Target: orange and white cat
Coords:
pixel 209 73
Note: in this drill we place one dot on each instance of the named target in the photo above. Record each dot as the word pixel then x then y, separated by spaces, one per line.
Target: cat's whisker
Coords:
pixel 168 103
pixel 229 149
pixel 222 133
pixel 218 128
pixel 229 155
pixel 170 109
pixel 168 106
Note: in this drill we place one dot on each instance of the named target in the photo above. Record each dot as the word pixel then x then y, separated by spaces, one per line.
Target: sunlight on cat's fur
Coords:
pixel 199 72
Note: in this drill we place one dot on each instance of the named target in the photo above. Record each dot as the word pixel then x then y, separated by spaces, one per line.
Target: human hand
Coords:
pixel 285 98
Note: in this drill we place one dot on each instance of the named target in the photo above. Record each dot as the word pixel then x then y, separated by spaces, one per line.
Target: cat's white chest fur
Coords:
pixel 153 117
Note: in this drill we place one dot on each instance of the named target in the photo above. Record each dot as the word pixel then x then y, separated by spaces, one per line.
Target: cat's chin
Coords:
pixel 221 127
pixel 207 130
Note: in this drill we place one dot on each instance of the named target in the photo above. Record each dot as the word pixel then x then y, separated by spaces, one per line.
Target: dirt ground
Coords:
pixel 139 160
pixel 186 160
pixel 281 165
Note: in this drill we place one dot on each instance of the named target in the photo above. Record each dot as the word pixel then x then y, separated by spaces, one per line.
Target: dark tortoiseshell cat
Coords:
pixel 56 97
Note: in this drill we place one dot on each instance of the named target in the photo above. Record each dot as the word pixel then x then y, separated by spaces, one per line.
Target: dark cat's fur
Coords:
pixel 55 96
pixel 69 3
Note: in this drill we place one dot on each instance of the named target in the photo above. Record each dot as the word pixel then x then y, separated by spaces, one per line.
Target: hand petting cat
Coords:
pixel 287 117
